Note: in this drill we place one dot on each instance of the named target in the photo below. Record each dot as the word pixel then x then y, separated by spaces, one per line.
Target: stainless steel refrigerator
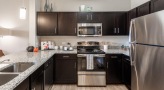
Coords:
pixel 147 52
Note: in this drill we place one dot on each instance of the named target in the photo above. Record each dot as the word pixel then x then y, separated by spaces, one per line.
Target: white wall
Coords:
pixel 135 3
pixel 98 5
pixel 9 18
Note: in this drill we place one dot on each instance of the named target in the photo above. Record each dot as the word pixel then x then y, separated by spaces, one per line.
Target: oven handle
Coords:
pixel 100 55
pixel 81 55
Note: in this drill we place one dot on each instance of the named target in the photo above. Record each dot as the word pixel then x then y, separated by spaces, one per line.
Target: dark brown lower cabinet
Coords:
pixel 126 71
pixel 37 79
pixel 114 68
pixel 48 74
pixel 24 85
pixel 65 69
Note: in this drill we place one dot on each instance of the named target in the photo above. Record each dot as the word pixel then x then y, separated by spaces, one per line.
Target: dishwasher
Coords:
pixel 48 74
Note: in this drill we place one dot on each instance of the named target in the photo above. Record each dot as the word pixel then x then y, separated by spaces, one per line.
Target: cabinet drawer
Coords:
pixel 113 56
pixel 66 56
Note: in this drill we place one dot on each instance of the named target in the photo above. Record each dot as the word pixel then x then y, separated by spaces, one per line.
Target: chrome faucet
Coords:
pixel 4 60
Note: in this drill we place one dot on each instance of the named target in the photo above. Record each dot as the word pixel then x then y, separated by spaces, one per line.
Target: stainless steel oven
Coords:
pixel 91 70
pixel 89 29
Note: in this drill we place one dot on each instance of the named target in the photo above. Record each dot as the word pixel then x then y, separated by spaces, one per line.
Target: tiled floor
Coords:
pixel 74 87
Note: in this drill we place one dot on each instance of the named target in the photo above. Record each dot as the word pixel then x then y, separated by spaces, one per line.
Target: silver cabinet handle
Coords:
pixel 118 30
pixel 115 30
pixel 91 16
pixel 127 59
pixel 65 56
pixel 75 30
pixel 75 64
pixel 107 64
pixel 55 30
pixel 87 17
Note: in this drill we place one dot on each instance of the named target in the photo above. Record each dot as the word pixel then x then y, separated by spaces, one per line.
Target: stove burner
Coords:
pixel 94 51
pixel 90 47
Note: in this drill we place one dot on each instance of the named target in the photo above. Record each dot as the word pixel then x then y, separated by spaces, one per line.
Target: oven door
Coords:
pixel 91 62
pixel 99 62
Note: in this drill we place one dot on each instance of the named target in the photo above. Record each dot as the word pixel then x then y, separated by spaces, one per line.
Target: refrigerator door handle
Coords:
pixel 132 33
pixel 132 54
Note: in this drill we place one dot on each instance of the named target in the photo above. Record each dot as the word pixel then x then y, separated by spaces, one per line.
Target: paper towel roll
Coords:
pixel 105 47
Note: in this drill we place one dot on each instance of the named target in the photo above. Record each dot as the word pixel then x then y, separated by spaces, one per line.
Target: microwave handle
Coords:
pixel 87 17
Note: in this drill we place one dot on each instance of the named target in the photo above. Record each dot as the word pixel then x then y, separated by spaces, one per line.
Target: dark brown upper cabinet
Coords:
pixel 120 23
pixel 89 17
pixel 108 23
pixel 131 15
pixel 67 23
pixel 144 9
pixel 157 5
pixel 46 24
pixel 113 23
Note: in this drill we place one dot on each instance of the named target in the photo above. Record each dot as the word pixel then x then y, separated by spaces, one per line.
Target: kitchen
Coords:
pixel 70 67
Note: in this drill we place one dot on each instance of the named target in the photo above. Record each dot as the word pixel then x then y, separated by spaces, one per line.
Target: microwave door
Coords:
pixel 87 31
pixel 90 30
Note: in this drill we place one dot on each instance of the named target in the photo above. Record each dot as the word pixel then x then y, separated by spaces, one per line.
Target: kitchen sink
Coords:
pixel 18 67
pixel 4 78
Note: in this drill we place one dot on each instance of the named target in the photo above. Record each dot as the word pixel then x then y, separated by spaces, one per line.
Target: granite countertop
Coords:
pixel 117 51
pixel 39 58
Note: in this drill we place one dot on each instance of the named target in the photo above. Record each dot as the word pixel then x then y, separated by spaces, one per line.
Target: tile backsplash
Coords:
pixel 110 40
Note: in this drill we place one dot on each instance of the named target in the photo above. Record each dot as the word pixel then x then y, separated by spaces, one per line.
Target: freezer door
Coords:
pixel 148 69
pixel 150 29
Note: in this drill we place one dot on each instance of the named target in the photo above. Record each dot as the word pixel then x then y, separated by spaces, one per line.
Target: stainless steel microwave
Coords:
pixel 89 29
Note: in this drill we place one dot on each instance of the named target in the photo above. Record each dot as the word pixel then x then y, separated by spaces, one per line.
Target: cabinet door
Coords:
pixel 89 17
pixel 127 72
pixel 83 17
pixel 143 9
pixel 48 74
pixel 46 24
pixel 95 17
pixel 37 83
pixel 114 69
pixel 65 71
pixel 67 22
pixel 24 85
pixel 108 23
pixel 120 23
pixel 157 5
pixel 130 15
